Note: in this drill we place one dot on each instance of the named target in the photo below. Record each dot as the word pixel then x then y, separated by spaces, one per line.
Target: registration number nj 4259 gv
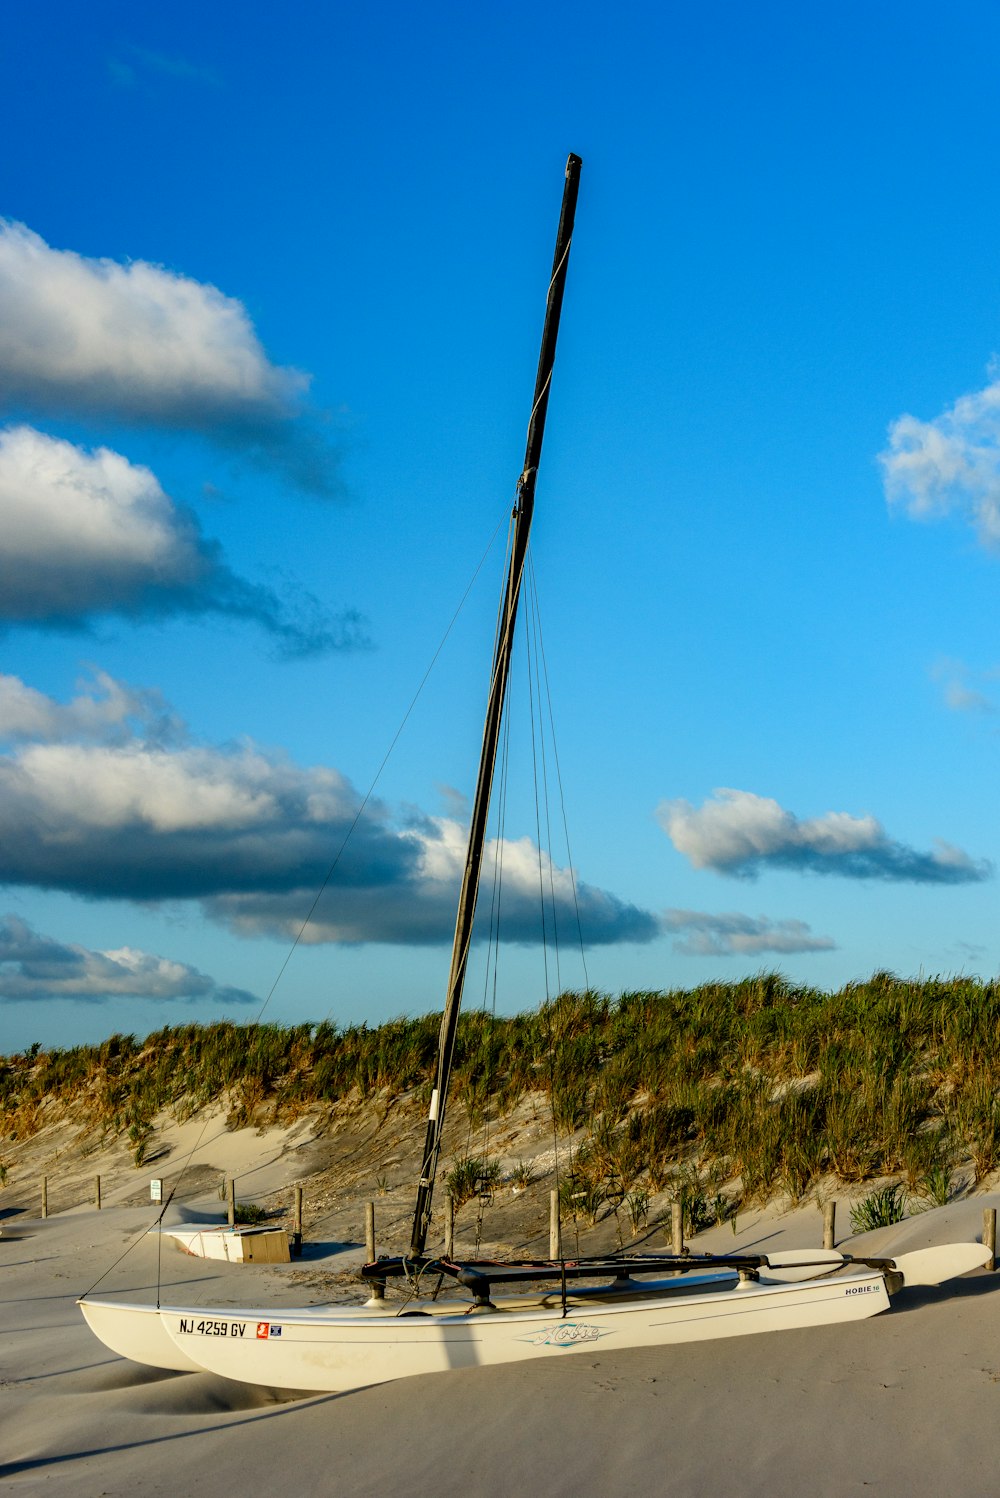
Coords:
pixel 213 1328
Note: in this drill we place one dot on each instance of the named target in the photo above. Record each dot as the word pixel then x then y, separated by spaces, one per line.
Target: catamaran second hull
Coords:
pixel 352 1347
pixel 138 1333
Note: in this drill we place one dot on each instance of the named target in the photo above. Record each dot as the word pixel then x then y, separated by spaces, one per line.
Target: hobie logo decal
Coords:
pixel 564 1334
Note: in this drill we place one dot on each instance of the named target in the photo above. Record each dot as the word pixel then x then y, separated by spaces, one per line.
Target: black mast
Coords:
pixel 494 711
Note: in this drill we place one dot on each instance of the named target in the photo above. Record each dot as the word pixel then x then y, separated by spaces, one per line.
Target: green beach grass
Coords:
pixel 760 1080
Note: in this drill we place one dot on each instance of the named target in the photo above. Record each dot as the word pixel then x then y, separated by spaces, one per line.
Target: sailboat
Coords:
pixel 529 1309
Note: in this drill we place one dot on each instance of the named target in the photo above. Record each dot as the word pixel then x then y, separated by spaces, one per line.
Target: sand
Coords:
pixel 903 1404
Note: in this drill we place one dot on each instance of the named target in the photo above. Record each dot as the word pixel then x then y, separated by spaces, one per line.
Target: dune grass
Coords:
pixel 775 1084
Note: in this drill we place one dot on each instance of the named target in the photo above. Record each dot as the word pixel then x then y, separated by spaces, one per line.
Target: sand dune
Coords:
pixel 903 1404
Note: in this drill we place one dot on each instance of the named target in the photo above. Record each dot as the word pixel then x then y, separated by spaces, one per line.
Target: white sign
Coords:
pixel 156 1191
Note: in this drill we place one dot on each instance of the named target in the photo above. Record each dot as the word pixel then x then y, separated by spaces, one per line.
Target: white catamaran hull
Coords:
pixel 137 1333
pixel 351 1347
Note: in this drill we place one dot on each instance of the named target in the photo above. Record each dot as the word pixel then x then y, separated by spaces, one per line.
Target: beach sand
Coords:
pixel 903 1404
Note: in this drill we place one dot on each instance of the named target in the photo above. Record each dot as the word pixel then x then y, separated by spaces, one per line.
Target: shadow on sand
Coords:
pixel 215 1401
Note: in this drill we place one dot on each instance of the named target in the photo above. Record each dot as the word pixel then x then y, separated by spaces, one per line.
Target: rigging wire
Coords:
pixel 559 780
pixel 540 713
pixel 460 955
pixel 533 684
pixel 378 773
pixel 493 941
pixel 158 1221
pixel 534 778
pixel 546 802
pixel 493 952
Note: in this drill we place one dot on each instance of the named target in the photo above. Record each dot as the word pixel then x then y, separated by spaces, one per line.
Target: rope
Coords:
pixel 123 1255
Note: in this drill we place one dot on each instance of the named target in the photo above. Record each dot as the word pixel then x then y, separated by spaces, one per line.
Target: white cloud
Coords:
pixel 420 907
pixel 961 698
pixel 731 934
pixel 133 340
pixel 958 695
pixel 103 710
pixel 142 815
pixel 741 833
pixel 950 464
pixel 34 967
pixel 89 533
pixel 137 343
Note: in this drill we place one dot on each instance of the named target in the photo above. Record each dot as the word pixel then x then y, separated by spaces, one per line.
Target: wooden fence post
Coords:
pixel 378 1290
pixel 45 1196
pixel 369 1232
pixel 232 1204
pixel 990 1234
pixel 677 1227
pixel 829 1224
pixel 555 1233
pixel 97 1192
pixel 449 1226
pixel 296 1245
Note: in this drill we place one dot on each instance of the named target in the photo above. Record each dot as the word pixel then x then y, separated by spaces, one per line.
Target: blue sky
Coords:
pixel 270 298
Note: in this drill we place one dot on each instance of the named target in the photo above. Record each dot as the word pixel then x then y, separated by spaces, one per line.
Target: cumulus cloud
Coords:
pixel 36 967
pixel 740 833
pixel 136 342
pixel 419 909
pixel 731 934
pixel 103 710
pixel 128 814
pixel 89 533
pixel 950 465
